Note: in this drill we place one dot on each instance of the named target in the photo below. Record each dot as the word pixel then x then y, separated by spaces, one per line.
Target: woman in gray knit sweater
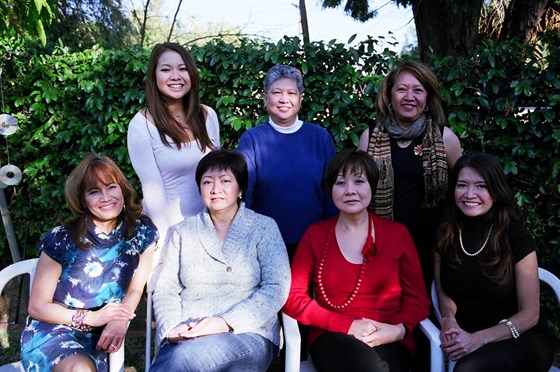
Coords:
pixel 224 277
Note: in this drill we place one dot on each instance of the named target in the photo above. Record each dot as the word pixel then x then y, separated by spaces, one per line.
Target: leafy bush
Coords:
pixel 70 104
pixel 505 100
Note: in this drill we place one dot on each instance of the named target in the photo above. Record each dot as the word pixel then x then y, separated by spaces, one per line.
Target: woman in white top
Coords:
pixel 167 139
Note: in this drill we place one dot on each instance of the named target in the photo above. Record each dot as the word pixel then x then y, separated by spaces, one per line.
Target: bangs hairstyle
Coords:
pixel 354 161
pixel 225 160
pixel 195 112
pixel 92 169
pixel 428 80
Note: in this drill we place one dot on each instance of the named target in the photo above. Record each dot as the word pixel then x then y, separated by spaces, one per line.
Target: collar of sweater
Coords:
pixel 236 238
pixel 286 130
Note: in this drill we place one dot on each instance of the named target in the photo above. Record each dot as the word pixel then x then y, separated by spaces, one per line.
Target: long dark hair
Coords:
pixel 88 172
pixel 504 210
pixel 195 112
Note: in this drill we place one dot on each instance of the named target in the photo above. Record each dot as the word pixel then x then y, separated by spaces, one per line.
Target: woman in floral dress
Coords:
pixel 90 274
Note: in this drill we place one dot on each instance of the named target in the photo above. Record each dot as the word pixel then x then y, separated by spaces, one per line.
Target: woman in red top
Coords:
pixel 366 277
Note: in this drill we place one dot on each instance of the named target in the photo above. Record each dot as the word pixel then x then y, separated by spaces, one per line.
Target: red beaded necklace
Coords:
pixel 368 251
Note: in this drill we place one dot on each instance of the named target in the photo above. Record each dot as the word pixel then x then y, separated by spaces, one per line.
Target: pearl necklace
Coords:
pixel 369 250
pixel 481 248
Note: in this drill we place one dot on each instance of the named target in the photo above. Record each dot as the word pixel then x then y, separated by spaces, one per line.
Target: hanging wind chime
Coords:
pixel 10 175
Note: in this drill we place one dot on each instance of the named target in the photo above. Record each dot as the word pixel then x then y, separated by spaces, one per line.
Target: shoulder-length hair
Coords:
pixel 351 161
pixel 504 210
pixel 92 169
pixel 428 80
pixel 195 112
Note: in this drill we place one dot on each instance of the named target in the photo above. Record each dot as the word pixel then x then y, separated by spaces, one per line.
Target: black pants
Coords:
pixel 499 356
pixel 340 352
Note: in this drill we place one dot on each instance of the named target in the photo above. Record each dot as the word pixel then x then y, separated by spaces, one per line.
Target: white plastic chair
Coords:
pixel 544 275
pixel 116 360
pixel 292 341
pixel 148 352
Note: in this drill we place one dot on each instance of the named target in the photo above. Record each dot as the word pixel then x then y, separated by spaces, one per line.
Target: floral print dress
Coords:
pixel 90 279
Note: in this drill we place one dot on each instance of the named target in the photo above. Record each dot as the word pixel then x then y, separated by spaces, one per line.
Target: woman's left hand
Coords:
pixel 461 343
pixel 384 334
pixel 206 326
pixel 112 336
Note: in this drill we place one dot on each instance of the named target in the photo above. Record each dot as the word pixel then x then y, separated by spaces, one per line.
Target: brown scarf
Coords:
pixel 434 163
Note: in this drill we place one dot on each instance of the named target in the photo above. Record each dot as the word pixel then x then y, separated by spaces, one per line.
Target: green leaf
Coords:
pixel 41 32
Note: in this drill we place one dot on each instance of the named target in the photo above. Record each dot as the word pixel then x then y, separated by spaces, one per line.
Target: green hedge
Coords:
pixel 69 104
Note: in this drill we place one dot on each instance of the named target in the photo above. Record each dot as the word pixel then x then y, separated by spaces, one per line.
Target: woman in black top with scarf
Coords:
pixel 486 275
pixel 413 151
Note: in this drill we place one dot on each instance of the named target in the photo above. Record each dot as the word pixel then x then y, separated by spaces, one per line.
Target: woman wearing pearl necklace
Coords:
pixel 486 275
pixel 366 276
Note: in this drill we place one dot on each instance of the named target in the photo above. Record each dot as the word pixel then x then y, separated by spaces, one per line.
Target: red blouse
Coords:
pixel 392 290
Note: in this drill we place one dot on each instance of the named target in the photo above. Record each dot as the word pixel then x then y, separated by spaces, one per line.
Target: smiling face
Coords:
pixel 105 203
pixel 471 193
pixel 172 77
pixel 283 101
pixel 408 99
pixel 219 191
pixel 351 192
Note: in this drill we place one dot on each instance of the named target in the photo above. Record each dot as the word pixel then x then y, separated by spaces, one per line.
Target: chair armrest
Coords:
pixel 292 341
pixel 550 279
pixel 116 360
pixel 437 357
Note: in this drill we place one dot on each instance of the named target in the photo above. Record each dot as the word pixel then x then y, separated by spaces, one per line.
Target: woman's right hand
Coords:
pixel 361 328
pixel 449 329
pixel 176 334
pixel 108 313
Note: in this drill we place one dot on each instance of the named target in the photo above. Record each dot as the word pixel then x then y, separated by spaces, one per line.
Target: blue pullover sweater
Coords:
pixel 285 176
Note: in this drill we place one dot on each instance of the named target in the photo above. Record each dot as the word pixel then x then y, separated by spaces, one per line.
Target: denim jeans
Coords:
pixel 219 352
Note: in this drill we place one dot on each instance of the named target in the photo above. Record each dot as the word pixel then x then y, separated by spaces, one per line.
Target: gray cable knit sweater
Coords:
pixel 245 281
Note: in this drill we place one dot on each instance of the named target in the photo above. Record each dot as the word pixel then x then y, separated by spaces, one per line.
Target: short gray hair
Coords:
pixel 279 72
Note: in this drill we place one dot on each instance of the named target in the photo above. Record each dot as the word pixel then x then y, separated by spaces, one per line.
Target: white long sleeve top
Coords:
pixel 167 173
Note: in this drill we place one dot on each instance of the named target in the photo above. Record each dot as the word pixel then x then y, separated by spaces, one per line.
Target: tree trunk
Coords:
pixel 522 19
pixel 446 27
pixel 304 24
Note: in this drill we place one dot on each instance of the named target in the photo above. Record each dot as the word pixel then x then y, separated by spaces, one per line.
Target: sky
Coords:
pixel 276 18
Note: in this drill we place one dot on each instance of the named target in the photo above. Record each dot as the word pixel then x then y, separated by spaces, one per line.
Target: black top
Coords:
pixel 482 303
pixel 408 198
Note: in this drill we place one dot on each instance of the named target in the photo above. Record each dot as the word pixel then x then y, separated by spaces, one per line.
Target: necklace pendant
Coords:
pixel 404 143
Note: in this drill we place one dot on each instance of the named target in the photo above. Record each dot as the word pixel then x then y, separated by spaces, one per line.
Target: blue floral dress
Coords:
pixel 90 279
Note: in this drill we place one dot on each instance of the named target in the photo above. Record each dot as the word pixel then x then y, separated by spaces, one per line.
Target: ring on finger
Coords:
pixel 113 346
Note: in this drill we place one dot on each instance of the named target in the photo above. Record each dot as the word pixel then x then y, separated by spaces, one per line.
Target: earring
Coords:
pixel 426 108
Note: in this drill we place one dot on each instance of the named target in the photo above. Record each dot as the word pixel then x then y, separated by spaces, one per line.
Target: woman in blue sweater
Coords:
pixel 286 158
